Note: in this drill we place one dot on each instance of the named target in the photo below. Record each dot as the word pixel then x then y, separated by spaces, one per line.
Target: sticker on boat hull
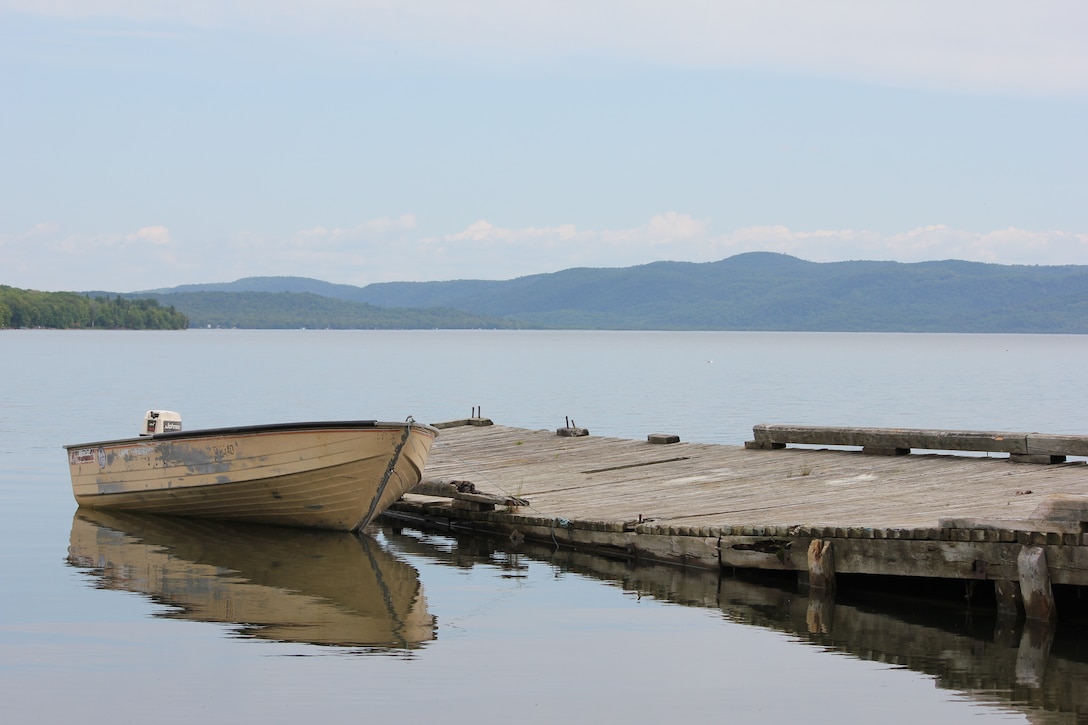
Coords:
pixel 79 456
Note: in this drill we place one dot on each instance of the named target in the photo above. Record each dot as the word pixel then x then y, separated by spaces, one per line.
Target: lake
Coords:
pixel 137 619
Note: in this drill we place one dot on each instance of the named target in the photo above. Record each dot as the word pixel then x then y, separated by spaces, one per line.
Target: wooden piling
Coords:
pixel 1035 584
pixel 821 566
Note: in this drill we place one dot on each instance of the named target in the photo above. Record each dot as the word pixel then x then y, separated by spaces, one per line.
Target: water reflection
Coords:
pixel 337 589
pixel 1035 671
pixel 290 585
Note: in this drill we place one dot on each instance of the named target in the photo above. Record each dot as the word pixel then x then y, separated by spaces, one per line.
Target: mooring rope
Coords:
pixel 388 475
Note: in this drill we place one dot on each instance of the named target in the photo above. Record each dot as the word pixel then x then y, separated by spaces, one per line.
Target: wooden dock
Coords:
pixel 1021 525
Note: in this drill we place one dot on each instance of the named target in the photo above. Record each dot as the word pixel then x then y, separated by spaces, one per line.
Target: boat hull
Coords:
pixel 317 475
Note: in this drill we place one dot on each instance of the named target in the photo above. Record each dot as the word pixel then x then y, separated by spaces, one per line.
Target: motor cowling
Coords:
pixel 160 421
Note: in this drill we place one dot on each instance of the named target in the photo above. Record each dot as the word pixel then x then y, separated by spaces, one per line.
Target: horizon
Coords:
pixel 154 144
pixel 173 288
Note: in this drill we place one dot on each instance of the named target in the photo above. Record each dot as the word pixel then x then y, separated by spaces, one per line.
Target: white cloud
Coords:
pixel 927 243
pixel 390 249
pixel 344 235
pixel 158 235
pixel 485 250
pixel 50 236
pixel 357 254
pixel 46 257
pixel 44 229
pixel 1029 247
pixel 960 44
pixel 662 231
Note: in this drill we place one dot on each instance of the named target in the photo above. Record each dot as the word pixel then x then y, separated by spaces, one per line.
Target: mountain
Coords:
pixel 271 284
pixel 277 310
pixel 754 291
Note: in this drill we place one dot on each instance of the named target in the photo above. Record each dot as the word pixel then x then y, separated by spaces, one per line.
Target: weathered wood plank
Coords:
pixel 1047 444
pixel 904 438
pixel 1032 524
pixel 727 484
pixel 918 515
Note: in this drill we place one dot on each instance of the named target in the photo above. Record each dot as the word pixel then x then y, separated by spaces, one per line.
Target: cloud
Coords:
pixel 486 250
pixel 390 249
pixel 359 254
pixel 50 236
pixel 1032 47
pixel 483 233
pixel 926 243
pixel 373 228
pixel 662 230
pixel 159 236
pixel 500 252
pixel 43 229
pixel 46 257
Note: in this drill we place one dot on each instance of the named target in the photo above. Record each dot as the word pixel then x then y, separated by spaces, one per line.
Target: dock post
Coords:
pixel 821 566
pixel 1035 584
pixel 821 587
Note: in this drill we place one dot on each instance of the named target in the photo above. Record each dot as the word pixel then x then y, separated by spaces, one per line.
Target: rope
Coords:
pixel 385 479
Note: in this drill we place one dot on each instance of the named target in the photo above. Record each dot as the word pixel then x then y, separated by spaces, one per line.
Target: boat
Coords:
pixel 326 475
pixel 305 586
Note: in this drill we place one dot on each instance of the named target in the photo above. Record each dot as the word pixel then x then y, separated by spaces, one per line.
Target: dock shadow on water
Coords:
pixel 1012 665
pixel 275 583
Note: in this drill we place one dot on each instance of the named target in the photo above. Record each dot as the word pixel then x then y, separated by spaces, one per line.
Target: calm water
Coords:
pixel 144 620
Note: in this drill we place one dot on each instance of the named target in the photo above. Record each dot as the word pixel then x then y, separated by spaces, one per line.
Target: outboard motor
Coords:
pixel 161 421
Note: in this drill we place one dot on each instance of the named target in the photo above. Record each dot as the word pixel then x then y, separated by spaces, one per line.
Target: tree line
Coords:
pixel 70 310
pixel 287 310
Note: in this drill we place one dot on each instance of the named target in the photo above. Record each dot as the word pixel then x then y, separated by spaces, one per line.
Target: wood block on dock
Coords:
pixel 1044 458
pixel 663 438
pixel 462 422
pixel 569 432
pixel 1068 508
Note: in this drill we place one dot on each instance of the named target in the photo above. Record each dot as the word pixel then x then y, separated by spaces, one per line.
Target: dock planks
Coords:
pixel 718 505
pixel 611 479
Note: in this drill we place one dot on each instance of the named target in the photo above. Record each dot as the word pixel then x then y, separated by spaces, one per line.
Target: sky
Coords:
pixel 147 144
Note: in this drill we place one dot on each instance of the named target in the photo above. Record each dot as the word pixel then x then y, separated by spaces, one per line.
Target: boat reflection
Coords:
pixel 1011 665
pixel 277 583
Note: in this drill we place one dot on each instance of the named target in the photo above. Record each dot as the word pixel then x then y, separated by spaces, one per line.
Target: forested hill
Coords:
pixel 280 310
pixel 756 291
pixel 67 310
